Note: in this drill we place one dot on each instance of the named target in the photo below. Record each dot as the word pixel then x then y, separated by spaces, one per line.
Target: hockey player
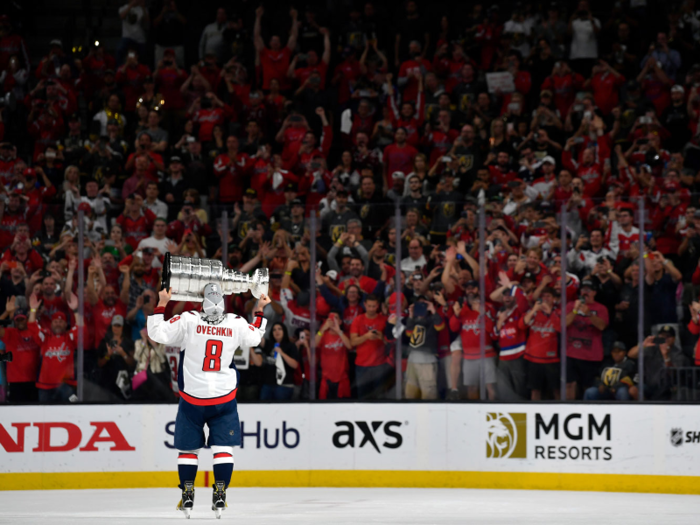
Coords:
pixel 207 381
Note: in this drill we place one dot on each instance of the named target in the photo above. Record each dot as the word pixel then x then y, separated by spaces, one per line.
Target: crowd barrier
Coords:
pixel 601 447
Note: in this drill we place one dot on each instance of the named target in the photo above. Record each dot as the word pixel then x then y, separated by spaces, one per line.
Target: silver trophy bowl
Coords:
pixel 187 276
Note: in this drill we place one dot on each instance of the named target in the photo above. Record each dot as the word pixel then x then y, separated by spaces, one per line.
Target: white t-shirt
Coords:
pixel 584 43
pixel 132 25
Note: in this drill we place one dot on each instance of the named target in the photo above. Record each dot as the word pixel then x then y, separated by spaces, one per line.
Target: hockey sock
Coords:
pixel 187 463
pixel 223 464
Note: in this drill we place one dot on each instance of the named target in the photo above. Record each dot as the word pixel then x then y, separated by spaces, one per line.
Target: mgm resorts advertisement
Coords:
pixel 653 440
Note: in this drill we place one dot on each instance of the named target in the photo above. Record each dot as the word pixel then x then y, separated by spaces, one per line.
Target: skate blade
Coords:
pixel 217 513
pixel 187 512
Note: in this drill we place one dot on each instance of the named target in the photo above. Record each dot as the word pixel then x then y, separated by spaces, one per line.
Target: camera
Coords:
pixel 659 340
pixel 205 103
pixel 6 357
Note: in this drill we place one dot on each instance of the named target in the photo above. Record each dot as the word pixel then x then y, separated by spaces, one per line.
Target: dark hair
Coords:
pixel 372 297
pixel 285 337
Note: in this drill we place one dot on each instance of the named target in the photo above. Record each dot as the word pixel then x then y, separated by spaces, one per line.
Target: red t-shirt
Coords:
pixel 169 81
pixel 371 352
pixel 468 325
pixel 275 65
pixel 231 176
pixel 399 159
pixel 102 318
pixel 136 230
pixel 333 357
pixel 605 91
pixel 57 356
pixel 542 340
pixel 583 340
pixel 366 284
pixel 50 307
pixel 24 366
pixel 303 73
pixel 350 314
pixel 131 81
pixel 32 263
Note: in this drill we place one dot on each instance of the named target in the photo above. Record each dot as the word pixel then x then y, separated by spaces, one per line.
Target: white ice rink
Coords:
pixel 349 506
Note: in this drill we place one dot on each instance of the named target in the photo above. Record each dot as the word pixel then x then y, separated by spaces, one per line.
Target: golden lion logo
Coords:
pixel 506 435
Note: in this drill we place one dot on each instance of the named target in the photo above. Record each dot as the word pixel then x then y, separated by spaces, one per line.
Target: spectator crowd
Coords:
pixel 569 127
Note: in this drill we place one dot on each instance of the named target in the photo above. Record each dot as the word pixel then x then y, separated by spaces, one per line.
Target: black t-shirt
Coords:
pixel 446 208
pixel 270 368
pixel 295 228
pixel 116 372
pixel 8 289
pixel 335 224
pixel 170 32
pixel 675 119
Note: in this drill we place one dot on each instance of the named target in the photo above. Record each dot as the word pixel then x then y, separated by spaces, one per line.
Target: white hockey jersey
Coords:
pixel 206 374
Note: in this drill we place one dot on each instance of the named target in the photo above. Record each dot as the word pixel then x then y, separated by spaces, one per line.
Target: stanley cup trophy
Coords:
pixel 187 276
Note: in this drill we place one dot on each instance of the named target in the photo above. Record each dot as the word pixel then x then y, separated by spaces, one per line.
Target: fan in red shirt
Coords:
pixel 333 346
pixel 104 307
pixel 501 172
pixel 136 221
pixel 313 65
pixel 51 302
pixel 412 72
pixel 23 370
pixel 588 170
pixel 398 156
pixel 12 215
pixel 46 126
pixel 95 64
pixel 465 320
pixel 665 218
pixel 411 117
pixel 440 139
pixel 131 77
pixel 511 337
pixel 605 83
pixel 367 337
pixel 208 112
pixel 357 277
pixel 541 350
pixel 291 134
pixel 309 149
pixel 38 196
pixel 275 59
pixel 169 77
pixel 346 74
pixel 564 83
pixel 22 252
pixel 56 380
pixel 233 171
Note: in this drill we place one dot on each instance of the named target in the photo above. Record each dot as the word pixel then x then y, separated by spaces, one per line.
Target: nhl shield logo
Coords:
pixel 676 437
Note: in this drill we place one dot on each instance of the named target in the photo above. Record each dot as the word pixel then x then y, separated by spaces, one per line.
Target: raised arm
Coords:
pixel 257 39
pixel 171 332
pixel 294 31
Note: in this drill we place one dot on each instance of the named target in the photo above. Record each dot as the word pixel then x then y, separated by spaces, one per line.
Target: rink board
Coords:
pixel 631 448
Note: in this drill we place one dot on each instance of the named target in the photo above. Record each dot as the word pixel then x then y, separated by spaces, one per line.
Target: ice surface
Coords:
pixel 339 506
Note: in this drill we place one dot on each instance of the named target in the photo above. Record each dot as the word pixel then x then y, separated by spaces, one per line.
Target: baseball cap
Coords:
pixel 85 207
pixel 668 329
pixel 30 172
pixel 588 283
pixel 148 80
pixel 471 283
pixel 250 192
pixel 56 42
pixel 398 175
pixel 332 274
pixel 19 313
pixel 677 89
pixel 297 202
pixel 549 159
pixel 169 51
pixel 290 187
pixel 528 275
pixel 118 320
pixel 175 158
pixel 515 183
pixel 670 186
pixel 58 315
pixel 620 345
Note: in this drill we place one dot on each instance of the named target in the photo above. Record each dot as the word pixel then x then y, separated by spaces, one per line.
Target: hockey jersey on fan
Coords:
pixel 206 373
